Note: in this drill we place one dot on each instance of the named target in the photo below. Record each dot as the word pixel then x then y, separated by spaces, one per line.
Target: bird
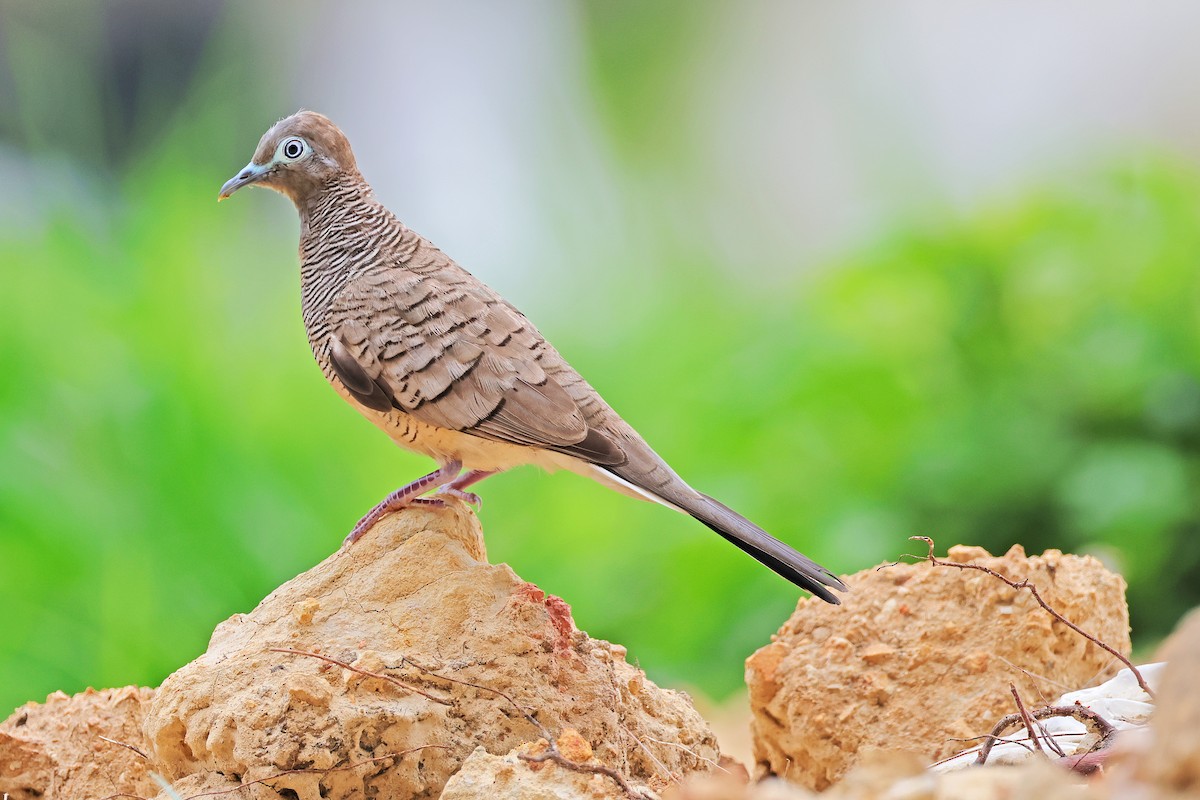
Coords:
pixel 446 366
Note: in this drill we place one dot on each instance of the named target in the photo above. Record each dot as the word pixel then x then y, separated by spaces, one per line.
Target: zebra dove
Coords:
pixel 447 367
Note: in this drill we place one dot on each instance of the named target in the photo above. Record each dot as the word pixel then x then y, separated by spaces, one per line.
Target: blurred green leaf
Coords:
pixel 169 453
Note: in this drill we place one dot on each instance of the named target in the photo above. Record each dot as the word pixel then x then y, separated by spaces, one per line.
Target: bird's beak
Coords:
pixel 247 176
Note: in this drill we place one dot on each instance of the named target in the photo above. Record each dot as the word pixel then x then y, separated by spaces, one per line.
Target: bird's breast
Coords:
pixel 443 444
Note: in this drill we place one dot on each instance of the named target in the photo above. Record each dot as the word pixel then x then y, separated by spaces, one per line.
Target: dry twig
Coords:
pixel 699 758
pixel 552 753
pixel 408 687
pixel 532 719
pixel 286 772
pixel 1093 721
pixel 1037 745
pixel 126 745
pixel 1049 739
pixel 1025 584
pixel 311 771
pixel 658 764
pixel 1047 736
pixel 596 769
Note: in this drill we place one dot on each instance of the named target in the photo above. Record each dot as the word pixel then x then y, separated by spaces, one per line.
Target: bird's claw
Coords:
pixel 470 498
pixel 427 501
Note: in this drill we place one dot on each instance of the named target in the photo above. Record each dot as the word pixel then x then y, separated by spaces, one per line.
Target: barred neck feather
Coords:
pixel 344 232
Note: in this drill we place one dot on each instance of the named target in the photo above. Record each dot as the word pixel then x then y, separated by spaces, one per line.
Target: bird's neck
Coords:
pixel 344 196
pixel 342 231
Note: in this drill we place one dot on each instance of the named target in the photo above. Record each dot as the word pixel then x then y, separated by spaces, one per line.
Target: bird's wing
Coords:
pixel 456 357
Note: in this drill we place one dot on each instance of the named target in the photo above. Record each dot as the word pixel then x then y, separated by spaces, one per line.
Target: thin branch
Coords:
pixel 1047 736
pixel 1025 584
pixel 126 745
pixel 1049 739
pixel 408 687
pixel 1026 719
pixel 594 769
pixel 552 754
pixel 1005 740
pixel 1038 677
pixel 702 759
pixel 532 719
pixel 1093 721
pixel 999 740
pixel 314 771
pixel 278 775
pixel 1090 762
pixel 663 769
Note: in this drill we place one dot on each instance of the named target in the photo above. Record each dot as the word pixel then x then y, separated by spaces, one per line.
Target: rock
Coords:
pixel 509 777
pixel 919 654
pixel 1171 759
pixel 892 775
pixel 431 653
pixel 214 785
pixel 56 749
pixel 895 775
pixel 720 786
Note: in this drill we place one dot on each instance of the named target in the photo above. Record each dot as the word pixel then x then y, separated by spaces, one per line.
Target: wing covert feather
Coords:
pixel 448 357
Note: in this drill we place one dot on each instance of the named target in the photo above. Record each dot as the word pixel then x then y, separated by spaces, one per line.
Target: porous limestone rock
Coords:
pixel 484 776
pixel 919 654
pixel 81 746
pixel 430 652
pixel 1170 762
pixel 895 775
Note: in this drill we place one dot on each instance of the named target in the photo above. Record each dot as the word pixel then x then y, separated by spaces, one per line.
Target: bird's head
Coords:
pixel 298 156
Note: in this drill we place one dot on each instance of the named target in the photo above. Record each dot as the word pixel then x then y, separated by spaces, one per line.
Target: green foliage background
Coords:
pixel 168 453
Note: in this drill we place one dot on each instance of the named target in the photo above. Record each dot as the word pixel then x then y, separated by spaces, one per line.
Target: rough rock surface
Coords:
pixel 55 749
pixel 919 654
pixel 893 775
pixel 890 775
pixel 472 645
pixel 484 776
pixel 1171 759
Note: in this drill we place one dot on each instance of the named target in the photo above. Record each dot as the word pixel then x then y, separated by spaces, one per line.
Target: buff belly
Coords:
pixel 477 453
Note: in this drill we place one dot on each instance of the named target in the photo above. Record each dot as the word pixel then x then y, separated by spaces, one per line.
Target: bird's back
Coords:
pixel 429 318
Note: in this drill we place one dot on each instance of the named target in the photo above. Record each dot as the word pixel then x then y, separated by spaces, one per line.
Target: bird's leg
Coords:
pixel 455 487
pixel 404 496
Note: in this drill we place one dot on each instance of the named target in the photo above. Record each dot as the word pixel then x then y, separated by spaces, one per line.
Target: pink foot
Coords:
pixel 455 487
pixel 406 496
pixel 470 498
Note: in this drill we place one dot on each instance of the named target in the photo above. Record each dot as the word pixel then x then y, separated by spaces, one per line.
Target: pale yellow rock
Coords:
pixel 892 775
pixel 1170 760
pixel 1037 780
pixel 412 598
pixel 489 777
pixel 720 786
pixel 918 654
pixel 81 746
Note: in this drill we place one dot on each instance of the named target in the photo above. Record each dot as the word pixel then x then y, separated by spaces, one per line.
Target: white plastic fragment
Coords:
pixel 1120 701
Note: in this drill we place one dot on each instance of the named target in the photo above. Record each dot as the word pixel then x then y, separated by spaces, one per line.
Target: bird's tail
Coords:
pixel 769 551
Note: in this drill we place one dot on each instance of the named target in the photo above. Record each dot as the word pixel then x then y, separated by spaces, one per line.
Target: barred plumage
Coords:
pixel 445 365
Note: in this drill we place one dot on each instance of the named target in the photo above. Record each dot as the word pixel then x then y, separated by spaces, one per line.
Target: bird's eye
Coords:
pixel 292 149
